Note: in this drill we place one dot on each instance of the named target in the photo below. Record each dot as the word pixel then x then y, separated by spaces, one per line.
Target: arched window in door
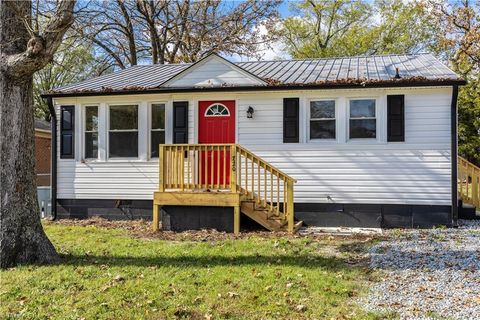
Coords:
pixel 217 110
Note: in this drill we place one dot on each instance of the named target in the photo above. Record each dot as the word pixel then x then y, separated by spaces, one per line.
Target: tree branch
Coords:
pixel 41 48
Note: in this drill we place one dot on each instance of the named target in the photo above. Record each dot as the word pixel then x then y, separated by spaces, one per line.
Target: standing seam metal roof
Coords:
pixel 284 72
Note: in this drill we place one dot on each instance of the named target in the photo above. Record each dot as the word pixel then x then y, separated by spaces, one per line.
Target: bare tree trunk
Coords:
pixel 22 239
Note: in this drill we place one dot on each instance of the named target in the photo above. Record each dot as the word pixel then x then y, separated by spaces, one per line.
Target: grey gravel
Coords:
pixel 305 231
pixel 427 274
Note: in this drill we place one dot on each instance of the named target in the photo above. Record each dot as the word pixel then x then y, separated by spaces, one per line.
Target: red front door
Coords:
pixel 216 125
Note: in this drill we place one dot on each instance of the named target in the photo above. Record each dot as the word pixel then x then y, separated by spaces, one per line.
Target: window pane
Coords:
pixel 362 108
pixel 322 109
pixel 322 129
pixel 91 145
pixel 91 118
pixel 123 117
pixel 217 110
pixel 363 128
pixel 158 116
pixel 123 144
pixel 158 137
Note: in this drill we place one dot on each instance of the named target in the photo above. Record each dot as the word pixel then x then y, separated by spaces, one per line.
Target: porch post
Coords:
pixel 155 222
pixel 290 207
pixel 233 168
pixel 161 162
pixel 236 219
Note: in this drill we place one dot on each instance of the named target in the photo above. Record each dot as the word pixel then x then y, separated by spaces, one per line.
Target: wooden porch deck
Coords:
pixel 225 175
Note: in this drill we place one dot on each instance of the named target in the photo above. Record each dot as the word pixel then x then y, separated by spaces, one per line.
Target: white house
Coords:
pixel 370 140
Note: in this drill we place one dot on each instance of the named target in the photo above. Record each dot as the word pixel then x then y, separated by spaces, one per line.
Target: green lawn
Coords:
pixel 110 274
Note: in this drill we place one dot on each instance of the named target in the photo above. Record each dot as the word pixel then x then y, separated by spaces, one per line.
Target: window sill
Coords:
pixel 365 141
pixel 125 160
pixel 114 160
pixel 323 141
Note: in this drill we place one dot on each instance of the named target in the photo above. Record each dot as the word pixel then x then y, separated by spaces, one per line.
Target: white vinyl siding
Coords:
pixel 415 172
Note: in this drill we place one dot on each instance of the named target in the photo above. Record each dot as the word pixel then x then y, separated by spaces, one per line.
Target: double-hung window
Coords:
pixel 91 132
pixel 363 121
pixel 157 133
pixel 322 119
pixel 123 131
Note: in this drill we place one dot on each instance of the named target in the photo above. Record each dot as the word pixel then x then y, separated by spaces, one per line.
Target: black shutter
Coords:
pixel 67 132
pixel 291 111
pixel 396 118
pixel 180 122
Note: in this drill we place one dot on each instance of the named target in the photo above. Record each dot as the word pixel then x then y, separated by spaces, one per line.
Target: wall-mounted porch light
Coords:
pixel 250 112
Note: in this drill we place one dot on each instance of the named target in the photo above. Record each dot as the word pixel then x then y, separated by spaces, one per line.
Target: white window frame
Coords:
pixel 337 117
pixel 149 126
pixel 84 131
pixel 377 120
pixel 107 147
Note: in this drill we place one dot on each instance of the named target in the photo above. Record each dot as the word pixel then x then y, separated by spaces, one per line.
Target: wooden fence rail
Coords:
pixel 468 182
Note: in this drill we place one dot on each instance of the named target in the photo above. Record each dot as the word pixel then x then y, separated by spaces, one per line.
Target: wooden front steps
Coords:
pixel 225 175
pixel 263 215
pixel 266 218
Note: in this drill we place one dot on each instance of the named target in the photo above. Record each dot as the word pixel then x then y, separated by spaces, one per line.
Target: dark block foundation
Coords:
pixel 180 218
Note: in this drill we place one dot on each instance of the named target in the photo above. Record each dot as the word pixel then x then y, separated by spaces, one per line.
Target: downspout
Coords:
pixel 454 155
pixel 53 171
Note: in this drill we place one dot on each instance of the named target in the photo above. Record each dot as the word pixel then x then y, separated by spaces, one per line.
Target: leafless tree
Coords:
pixel 166 31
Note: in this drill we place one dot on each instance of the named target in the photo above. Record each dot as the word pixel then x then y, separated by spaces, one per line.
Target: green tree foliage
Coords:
pixel 459 41
pixel 469 121
pixel 72 63
pixel 326 28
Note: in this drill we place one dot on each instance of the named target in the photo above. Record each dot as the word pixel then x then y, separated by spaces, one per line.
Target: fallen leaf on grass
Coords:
pixel 301 308
pixel 119 278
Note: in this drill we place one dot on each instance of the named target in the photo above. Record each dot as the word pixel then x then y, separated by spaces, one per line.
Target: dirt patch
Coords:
pixel 131 225
pixel 142 229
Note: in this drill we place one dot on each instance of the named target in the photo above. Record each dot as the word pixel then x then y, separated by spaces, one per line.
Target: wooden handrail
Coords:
pixel 280 172
pixel 468 182
pixel 227 168
pixel 265 184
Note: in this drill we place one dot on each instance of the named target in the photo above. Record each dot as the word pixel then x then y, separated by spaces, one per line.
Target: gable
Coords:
pixel 213 71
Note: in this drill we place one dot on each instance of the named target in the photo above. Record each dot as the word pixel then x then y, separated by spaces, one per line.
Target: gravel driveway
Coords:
pixel 428 274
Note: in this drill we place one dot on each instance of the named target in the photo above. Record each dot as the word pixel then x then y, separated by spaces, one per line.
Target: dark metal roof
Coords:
pixel 145 76
pixel 42 124
pixel 361 70
pixel 376 68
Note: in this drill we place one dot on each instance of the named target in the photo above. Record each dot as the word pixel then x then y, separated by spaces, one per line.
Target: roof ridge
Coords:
pixel 281 60
pixel 341 57
pixel 160 64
